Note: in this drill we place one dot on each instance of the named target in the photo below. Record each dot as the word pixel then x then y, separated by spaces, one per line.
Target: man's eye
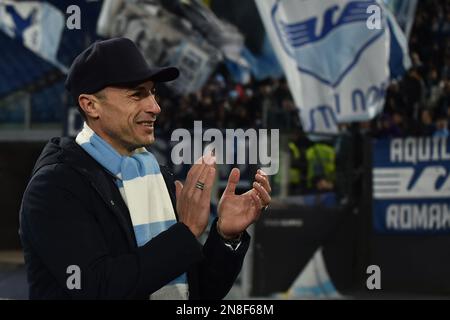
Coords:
pixel 138 95
pixel 141 94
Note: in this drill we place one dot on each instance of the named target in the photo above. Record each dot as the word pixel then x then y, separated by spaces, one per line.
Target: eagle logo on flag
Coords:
pixel 332 51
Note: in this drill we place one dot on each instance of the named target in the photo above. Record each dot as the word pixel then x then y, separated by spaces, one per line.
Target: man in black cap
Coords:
pixel 101 219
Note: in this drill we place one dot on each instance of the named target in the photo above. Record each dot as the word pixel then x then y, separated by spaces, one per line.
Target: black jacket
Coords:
pixel 73 214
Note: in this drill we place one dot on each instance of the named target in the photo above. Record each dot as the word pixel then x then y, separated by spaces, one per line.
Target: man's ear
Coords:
pixel 89 104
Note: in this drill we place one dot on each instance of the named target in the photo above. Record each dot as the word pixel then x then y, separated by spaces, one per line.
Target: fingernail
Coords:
pixel 210 160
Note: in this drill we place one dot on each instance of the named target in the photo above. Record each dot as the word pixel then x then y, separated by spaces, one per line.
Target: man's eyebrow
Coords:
pixel 140 88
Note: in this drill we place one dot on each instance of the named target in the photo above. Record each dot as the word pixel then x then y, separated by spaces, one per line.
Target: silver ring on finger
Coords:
pixel 200 185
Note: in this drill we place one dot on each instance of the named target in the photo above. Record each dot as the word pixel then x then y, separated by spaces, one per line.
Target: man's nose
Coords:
pixel 151 106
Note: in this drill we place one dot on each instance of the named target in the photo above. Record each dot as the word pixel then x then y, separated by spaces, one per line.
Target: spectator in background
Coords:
pixel 444 100
pixel 291 118
pixel 298 145
pixel 426 126
pixel 413 89
pixel 441 126
pixel 399 126
pixel 321 160
pixel 269 105
pixel 383 126
pixel 394 99
pixel 392 125
pixel 434 87
pixel 282 91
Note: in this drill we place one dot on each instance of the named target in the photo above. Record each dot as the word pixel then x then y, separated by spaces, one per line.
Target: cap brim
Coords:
pixel 156 75
pixel 164 74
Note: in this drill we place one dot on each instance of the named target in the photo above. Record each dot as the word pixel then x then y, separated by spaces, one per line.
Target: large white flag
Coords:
pixel 336 55
pixel 38 25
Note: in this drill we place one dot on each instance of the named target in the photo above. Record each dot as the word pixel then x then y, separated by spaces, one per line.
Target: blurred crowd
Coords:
pixel 419 104
pixel 223 104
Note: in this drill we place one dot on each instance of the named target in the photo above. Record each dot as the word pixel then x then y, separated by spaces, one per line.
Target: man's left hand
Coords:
pixel 237 212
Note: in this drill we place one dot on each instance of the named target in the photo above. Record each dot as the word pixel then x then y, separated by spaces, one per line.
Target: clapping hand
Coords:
pixel 237 212
pixel 194 197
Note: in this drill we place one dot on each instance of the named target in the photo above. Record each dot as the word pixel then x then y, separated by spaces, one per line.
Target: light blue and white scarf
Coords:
pixel 144 191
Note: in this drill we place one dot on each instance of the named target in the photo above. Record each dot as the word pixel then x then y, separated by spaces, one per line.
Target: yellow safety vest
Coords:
pixel 321 160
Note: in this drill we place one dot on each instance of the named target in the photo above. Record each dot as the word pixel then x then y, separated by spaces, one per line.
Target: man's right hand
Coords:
pixel 193 204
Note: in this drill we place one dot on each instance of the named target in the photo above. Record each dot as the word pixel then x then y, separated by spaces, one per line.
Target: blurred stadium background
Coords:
pixel 327 223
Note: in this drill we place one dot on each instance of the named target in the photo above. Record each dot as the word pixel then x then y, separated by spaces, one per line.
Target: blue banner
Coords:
pixel 411 185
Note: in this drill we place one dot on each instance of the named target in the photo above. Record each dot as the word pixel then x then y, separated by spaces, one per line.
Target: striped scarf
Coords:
pixel 144 191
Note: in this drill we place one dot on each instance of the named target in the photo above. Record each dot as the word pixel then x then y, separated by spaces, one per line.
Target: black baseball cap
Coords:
pixel 112 62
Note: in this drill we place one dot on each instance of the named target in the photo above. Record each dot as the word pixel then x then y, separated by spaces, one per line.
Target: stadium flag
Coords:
pixel 404 12
pixel 38 25
pixel 336 55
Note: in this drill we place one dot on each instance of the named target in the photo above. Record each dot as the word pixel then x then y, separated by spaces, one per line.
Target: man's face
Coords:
pixel 127 116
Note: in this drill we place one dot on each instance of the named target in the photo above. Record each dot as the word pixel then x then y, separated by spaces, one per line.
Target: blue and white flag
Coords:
pixel 38 25
pixel 336 55
pixel 404 12
pixel 411 185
